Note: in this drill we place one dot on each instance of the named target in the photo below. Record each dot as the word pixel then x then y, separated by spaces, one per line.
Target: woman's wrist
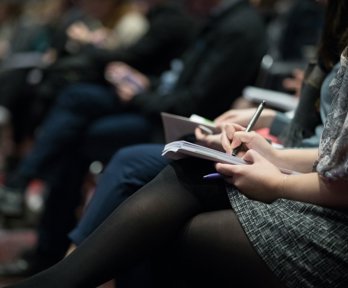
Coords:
pixel 280 188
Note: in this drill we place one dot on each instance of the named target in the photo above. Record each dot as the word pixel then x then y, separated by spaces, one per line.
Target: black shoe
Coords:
pixel 11 202
pixel 25 266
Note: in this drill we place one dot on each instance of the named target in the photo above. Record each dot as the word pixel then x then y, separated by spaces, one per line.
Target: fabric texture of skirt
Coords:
pixel 303 244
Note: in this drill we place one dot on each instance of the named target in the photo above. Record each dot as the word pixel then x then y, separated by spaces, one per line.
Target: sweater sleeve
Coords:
pixel 333 157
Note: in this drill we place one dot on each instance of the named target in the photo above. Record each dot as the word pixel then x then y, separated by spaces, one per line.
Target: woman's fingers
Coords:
pixel 228 135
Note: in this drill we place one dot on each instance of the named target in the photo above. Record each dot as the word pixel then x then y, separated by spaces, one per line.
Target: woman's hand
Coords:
pixel 227 134
pixel 234 135
pixel 259 180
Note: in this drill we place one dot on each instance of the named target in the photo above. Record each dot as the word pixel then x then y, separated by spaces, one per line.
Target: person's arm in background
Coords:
pixel 243 116
pixel 127 81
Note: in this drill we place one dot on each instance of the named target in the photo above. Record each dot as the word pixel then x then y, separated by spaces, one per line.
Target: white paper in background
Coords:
pixel 175 127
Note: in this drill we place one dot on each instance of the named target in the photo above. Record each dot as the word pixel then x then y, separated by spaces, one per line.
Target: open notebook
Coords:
pixel 180 149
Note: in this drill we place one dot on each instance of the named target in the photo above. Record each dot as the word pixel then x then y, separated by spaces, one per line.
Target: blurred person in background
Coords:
pixel 94 121
pixel 42 28
pixel 121 24
pixel 30 38
pixel 134 166
pixel 169 33
pixel 309 198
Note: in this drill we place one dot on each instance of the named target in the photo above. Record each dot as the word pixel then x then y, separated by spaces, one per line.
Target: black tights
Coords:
pixel 174 208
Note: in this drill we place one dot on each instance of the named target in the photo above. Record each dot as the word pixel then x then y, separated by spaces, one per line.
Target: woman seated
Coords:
pixel 256 228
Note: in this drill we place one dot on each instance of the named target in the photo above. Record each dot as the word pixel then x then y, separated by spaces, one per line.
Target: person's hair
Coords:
pixel 335 33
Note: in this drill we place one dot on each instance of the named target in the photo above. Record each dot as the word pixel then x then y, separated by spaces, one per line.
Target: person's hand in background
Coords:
pixel 79 32
pixel 128 82
pixel 294 83
pixel 243 116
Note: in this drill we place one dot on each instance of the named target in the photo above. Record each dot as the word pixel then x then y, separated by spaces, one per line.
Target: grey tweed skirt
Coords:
pixel 303 244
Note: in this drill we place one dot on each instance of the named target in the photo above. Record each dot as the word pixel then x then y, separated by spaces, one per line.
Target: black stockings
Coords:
pixel 177 206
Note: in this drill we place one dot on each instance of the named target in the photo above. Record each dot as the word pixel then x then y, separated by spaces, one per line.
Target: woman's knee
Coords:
pixel 213 234
pixel 216 244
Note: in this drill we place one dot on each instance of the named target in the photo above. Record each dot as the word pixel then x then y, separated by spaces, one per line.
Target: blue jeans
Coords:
pixel 89 116
pixel 129 169
pixel 87 123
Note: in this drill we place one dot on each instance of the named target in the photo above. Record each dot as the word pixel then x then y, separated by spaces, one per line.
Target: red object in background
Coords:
pixel 265 133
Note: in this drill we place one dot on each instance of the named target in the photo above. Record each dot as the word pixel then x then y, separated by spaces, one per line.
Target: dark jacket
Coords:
pixel 170 33
pixel 224 58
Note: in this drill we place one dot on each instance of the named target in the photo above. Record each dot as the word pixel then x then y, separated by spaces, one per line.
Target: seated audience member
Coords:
pixel 38 31
pixel 32 38
pixel 85 112
pixel 133 167
pixel 169 33
pixel 250 222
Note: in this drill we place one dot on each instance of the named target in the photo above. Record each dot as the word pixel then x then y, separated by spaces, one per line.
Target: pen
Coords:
pixel 251 124
pixel 212 176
